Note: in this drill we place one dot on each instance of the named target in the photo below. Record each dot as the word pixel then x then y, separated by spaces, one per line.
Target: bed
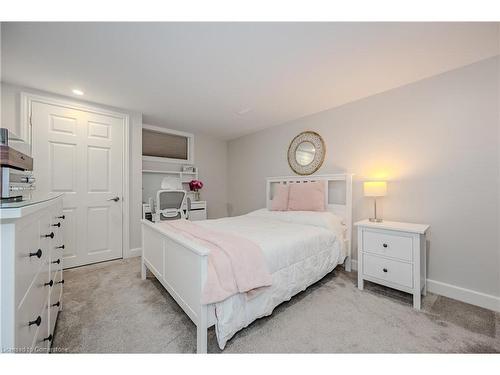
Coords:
pixel 300 248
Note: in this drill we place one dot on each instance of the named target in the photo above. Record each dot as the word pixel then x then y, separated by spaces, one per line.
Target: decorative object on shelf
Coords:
pixel 306 153
pixel 196 185
pixel 189 168
pixel 375 189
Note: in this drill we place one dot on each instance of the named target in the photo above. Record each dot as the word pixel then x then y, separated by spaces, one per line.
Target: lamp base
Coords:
pixel 375 220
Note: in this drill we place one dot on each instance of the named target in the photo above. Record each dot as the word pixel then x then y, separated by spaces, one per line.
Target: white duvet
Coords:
pixel 300 248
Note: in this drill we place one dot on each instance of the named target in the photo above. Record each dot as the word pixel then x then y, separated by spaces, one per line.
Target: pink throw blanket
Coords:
pixel 235 264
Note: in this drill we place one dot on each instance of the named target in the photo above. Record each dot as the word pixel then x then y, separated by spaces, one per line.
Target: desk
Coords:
pixel 198 210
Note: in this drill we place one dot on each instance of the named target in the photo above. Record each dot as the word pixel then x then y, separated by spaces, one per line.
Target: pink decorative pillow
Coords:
pixel 280 199
pixel 308 196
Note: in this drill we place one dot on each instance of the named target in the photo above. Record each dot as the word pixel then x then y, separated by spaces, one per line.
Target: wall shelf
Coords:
pixel 169 172
pixel 185 177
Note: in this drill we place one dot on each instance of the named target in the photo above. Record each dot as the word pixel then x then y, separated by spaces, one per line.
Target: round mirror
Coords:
pixel 304 154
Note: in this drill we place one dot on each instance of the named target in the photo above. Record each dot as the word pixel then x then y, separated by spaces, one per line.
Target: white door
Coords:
pixel 80 153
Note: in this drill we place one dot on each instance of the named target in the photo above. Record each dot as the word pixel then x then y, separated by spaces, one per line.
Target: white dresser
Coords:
pixel 30 273
pixel 198 210
pixel 393 254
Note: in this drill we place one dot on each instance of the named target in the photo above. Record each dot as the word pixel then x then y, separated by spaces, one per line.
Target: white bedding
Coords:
pixel 300 248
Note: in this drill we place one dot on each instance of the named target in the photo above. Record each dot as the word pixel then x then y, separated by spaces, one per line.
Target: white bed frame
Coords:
pixel 181 265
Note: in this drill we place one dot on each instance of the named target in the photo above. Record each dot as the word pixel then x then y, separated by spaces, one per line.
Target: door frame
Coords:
pixel 27 99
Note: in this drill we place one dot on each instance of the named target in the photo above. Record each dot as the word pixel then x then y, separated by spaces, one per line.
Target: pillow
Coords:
pixel 280 199
pixel 308 196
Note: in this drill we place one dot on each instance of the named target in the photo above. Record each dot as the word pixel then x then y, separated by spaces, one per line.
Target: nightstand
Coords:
pixel 393 254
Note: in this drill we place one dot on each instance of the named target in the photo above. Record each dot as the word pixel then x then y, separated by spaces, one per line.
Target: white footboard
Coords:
pixel 181 267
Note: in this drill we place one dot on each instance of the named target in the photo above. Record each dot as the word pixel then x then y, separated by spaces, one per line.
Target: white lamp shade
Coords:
pixel 375 188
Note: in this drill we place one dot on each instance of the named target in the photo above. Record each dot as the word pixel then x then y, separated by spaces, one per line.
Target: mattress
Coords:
pixel 299 250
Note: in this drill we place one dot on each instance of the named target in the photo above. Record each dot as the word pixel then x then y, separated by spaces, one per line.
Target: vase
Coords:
pixel 196 195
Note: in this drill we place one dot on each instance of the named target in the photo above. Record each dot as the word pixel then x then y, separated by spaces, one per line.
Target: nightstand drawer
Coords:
pixel 388 244
pixel 389 270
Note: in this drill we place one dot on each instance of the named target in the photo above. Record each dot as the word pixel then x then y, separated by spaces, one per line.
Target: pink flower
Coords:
pixel 195 185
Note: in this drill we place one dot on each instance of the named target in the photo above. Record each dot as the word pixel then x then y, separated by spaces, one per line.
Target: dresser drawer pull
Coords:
pixel 57 304
pixel 50 283
pixel 48 338
pixel 57 225
pixel 51 235
pixel 385 269
pixel 60 282
pixel 37 321
pixel 384 245
pixel 56 261
pixel 60 247
pixel 61 217
pixel 38 254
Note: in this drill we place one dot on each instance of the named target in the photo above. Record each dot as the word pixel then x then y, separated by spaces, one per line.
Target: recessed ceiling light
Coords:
pixel 244 111
pixel 77 92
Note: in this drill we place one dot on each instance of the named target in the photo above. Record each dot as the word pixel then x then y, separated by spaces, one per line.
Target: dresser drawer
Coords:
pixel 388 270
pixel 390 244
pixel 56 259
pixel 29 310
pixel 197 214
pixel 55 301
pixel 28 248
pixel 43 338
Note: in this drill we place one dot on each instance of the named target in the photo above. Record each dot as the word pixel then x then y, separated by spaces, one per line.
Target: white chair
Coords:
pixel 169 204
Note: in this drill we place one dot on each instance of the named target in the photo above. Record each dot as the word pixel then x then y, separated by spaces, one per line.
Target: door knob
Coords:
pixel 116 199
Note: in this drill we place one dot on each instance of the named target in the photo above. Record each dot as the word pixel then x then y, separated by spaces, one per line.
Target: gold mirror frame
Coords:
pixel 319 156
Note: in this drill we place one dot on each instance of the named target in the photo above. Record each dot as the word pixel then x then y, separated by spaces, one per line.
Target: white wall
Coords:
pixel 10 104
pixel 436 141
pixel 0 73
pixel 210 157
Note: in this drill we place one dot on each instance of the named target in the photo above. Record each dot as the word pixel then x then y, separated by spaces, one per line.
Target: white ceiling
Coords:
pixel 198 76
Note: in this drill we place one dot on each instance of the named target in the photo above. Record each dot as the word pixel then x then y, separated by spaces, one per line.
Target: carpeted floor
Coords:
pixel 109 309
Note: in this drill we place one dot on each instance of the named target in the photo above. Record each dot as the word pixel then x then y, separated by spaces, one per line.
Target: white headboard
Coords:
pixel 343 210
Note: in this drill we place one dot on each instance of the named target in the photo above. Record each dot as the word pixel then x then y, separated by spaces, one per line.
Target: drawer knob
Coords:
pixel 57 304
pixel 50 283
pixel 385 270
pixel 61 217
pixel 37 321
pixel 51 235
pixel 38 254
pixel 48 338
pixel 60 247
pixel 57 261
pixel 57 225
pixel 60 282
pixel 384 245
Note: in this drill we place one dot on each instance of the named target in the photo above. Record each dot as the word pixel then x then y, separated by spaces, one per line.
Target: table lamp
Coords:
pixel 375 189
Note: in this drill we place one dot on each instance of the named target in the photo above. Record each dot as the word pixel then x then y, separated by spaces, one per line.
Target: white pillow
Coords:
pixel 323 219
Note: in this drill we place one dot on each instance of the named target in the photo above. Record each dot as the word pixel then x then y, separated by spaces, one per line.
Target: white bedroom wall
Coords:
pixel 210 157
pixel 10 104
pixel 0 73
pixel 436 141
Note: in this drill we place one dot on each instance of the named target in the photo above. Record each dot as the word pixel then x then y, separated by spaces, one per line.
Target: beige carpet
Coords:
pixel 109 309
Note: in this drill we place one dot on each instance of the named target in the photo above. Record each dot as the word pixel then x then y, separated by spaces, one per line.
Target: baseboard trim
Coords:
pixel 473 297
pixel 137 252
